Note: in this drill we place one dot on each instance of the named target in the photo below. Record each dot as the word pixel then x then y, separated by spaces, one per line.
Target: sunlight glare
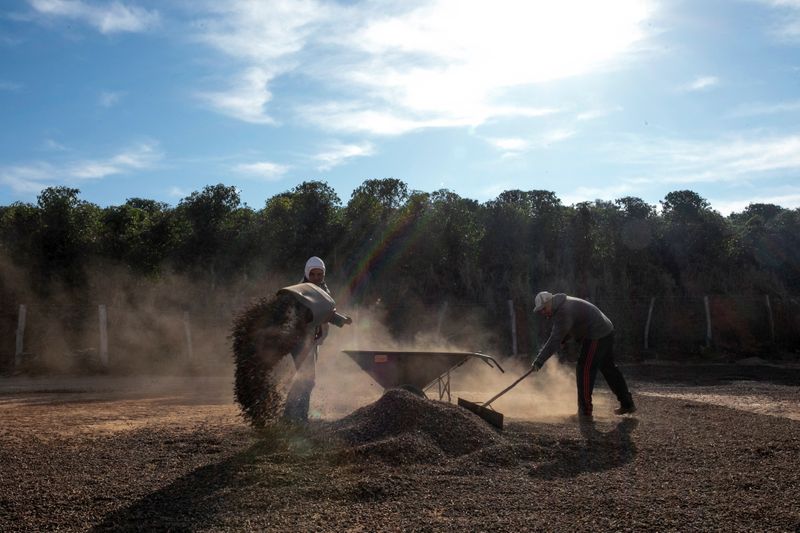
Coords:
pixel 461 54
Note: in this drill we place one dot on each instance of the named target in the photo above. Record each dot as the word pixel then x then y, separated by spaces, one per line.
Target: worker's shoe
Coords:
pixel 626 405
pixel 625 408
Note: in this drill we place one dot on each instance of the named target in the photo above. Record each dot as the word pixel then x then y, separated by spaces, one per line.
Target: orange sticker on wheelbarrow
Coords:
pixel 381 358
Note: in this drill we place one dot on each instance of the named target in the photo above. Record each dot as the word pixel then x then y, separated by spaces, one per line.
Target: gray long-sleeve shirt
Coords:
pixel 573 317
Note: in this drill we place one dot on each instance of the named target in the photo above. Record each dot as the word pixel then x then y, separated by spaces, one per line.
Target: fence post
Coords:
pixel 647 325
pixel 23 311
pixel 440 318
pixel 188 332
pixel 771 319
pixel 708 322
pixel 513 327
pixel 103 315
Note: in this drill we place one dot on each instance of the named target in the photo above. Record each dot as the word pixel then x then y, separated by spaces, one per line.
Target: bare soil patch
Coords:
pixel 111 454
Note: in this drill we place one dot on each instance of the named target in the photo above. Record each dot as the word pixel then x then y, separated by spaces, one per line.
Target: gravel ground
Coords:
pixel 705 452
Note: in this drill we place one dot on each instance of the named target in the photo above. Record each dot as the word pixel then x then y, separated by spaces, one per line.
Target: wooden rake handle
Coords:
pixel 523 376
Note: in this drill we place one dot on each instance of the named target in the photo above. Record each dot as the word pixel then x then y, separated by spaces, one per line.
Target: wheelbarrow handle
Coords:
pixel 523 376
pixel 488 359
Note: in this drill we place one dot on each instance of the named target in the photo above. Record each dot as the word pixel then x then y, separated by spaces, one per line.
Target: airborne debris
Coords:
pixel 262 334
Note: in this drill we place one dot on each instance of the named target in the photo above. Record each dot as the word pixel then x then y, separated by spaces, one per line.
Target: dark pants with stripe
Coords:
pixel 598 354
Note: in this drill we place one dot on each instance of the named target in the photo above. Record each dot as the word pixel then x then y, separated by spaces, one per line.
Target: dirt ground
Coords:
pixel 712 448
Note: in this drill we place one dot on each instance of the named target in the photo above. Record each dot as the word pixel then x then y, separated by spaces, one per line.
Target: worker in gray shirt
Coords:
pixel 581 320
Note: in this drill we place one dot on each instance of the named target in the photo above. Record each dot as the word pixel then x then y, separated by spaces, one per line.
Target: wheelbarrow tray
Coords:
pixel 420 369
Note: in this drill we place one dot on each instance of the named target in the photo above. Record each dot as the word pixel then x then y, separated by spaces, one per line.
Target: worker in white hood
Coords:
pixel 306 352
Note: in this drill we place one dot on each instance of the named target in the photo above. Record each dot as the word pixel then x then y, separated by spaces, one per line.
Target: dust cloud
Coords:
pixel 168 325
pixel 173 326
pixel 342 386
pixel 547 394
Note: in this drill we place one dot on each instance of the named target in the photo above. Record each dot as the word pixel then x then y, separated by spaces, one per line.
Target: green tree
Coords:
pixel 456 232
pixel 765 212
pixel 69 229
pixel 636 255
pixel 20 229
pixel 140 234
pixel 582 249
pixel 206 229
pixel 522 240
pixel 300 223
pixel 371 225
pixel 767 246
pixel 696 242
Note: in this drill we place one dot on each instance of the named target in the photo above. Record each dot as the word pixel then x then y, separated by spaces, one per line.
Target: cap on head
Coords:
pixel 541 299
pixel 312 263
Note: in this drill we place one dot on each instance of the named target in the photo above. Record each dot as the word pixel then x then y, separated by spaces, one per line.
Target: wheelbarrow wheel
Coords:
pixel 413 390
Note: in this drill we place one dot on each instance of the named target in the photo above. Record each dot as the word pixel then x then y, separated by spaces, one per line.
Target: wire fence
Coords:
pixel 679 328
pixel 99 337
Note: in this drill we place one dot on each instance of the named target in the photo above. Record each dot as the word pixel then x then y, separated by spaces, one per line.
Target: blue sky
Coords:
pixel 590 100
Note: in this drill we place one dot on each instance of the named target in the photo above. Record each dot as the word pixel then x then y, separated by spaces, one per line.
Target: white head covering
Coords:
pixel 541 299
pixel 312 263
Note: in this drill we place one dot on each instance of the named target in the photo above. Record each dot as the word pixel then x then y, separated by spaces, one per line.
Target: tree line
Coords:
pixel 403 246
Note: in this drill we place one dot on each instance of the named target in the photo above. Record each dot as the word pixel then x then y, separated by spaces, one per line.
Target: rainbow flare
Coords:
pixel 392 244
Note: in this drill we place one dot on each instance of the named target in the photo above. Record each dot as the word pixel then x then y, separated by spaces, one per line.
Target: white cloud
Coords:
pixel 135 158
pixel 110 98
pixel 37 175
pixel 790 31
pixel 54 146
pixel 30 178
pixel 354 117
pixel 556 136
pixel 786 27
pixel 141 156
pixel 360 117
pixel 590 194
pixel 177 192
pixel 246 100
pixel 7 40
pixel 731 160
pixel 514 146
pixel 337 154
pixel 786 197
pixel 509 144
pixel 263 170
pixel 262 32
pixel 106 17
pixel 594 114
pixel 701 83
pixel 450 62
pixel 264 36
pixel 758 109
pixel 390 67
pixel 494 190
pixel 10 86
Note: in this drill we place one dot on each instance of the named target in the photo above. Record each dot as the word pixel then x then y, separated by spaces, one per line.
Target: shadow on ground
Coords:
pixel 193 500
pixel 596 451
pixel 280 463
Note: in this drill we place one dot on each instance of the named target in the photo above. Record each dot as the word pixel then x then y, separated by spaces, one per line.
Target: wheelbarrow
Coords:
pixel 415 371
